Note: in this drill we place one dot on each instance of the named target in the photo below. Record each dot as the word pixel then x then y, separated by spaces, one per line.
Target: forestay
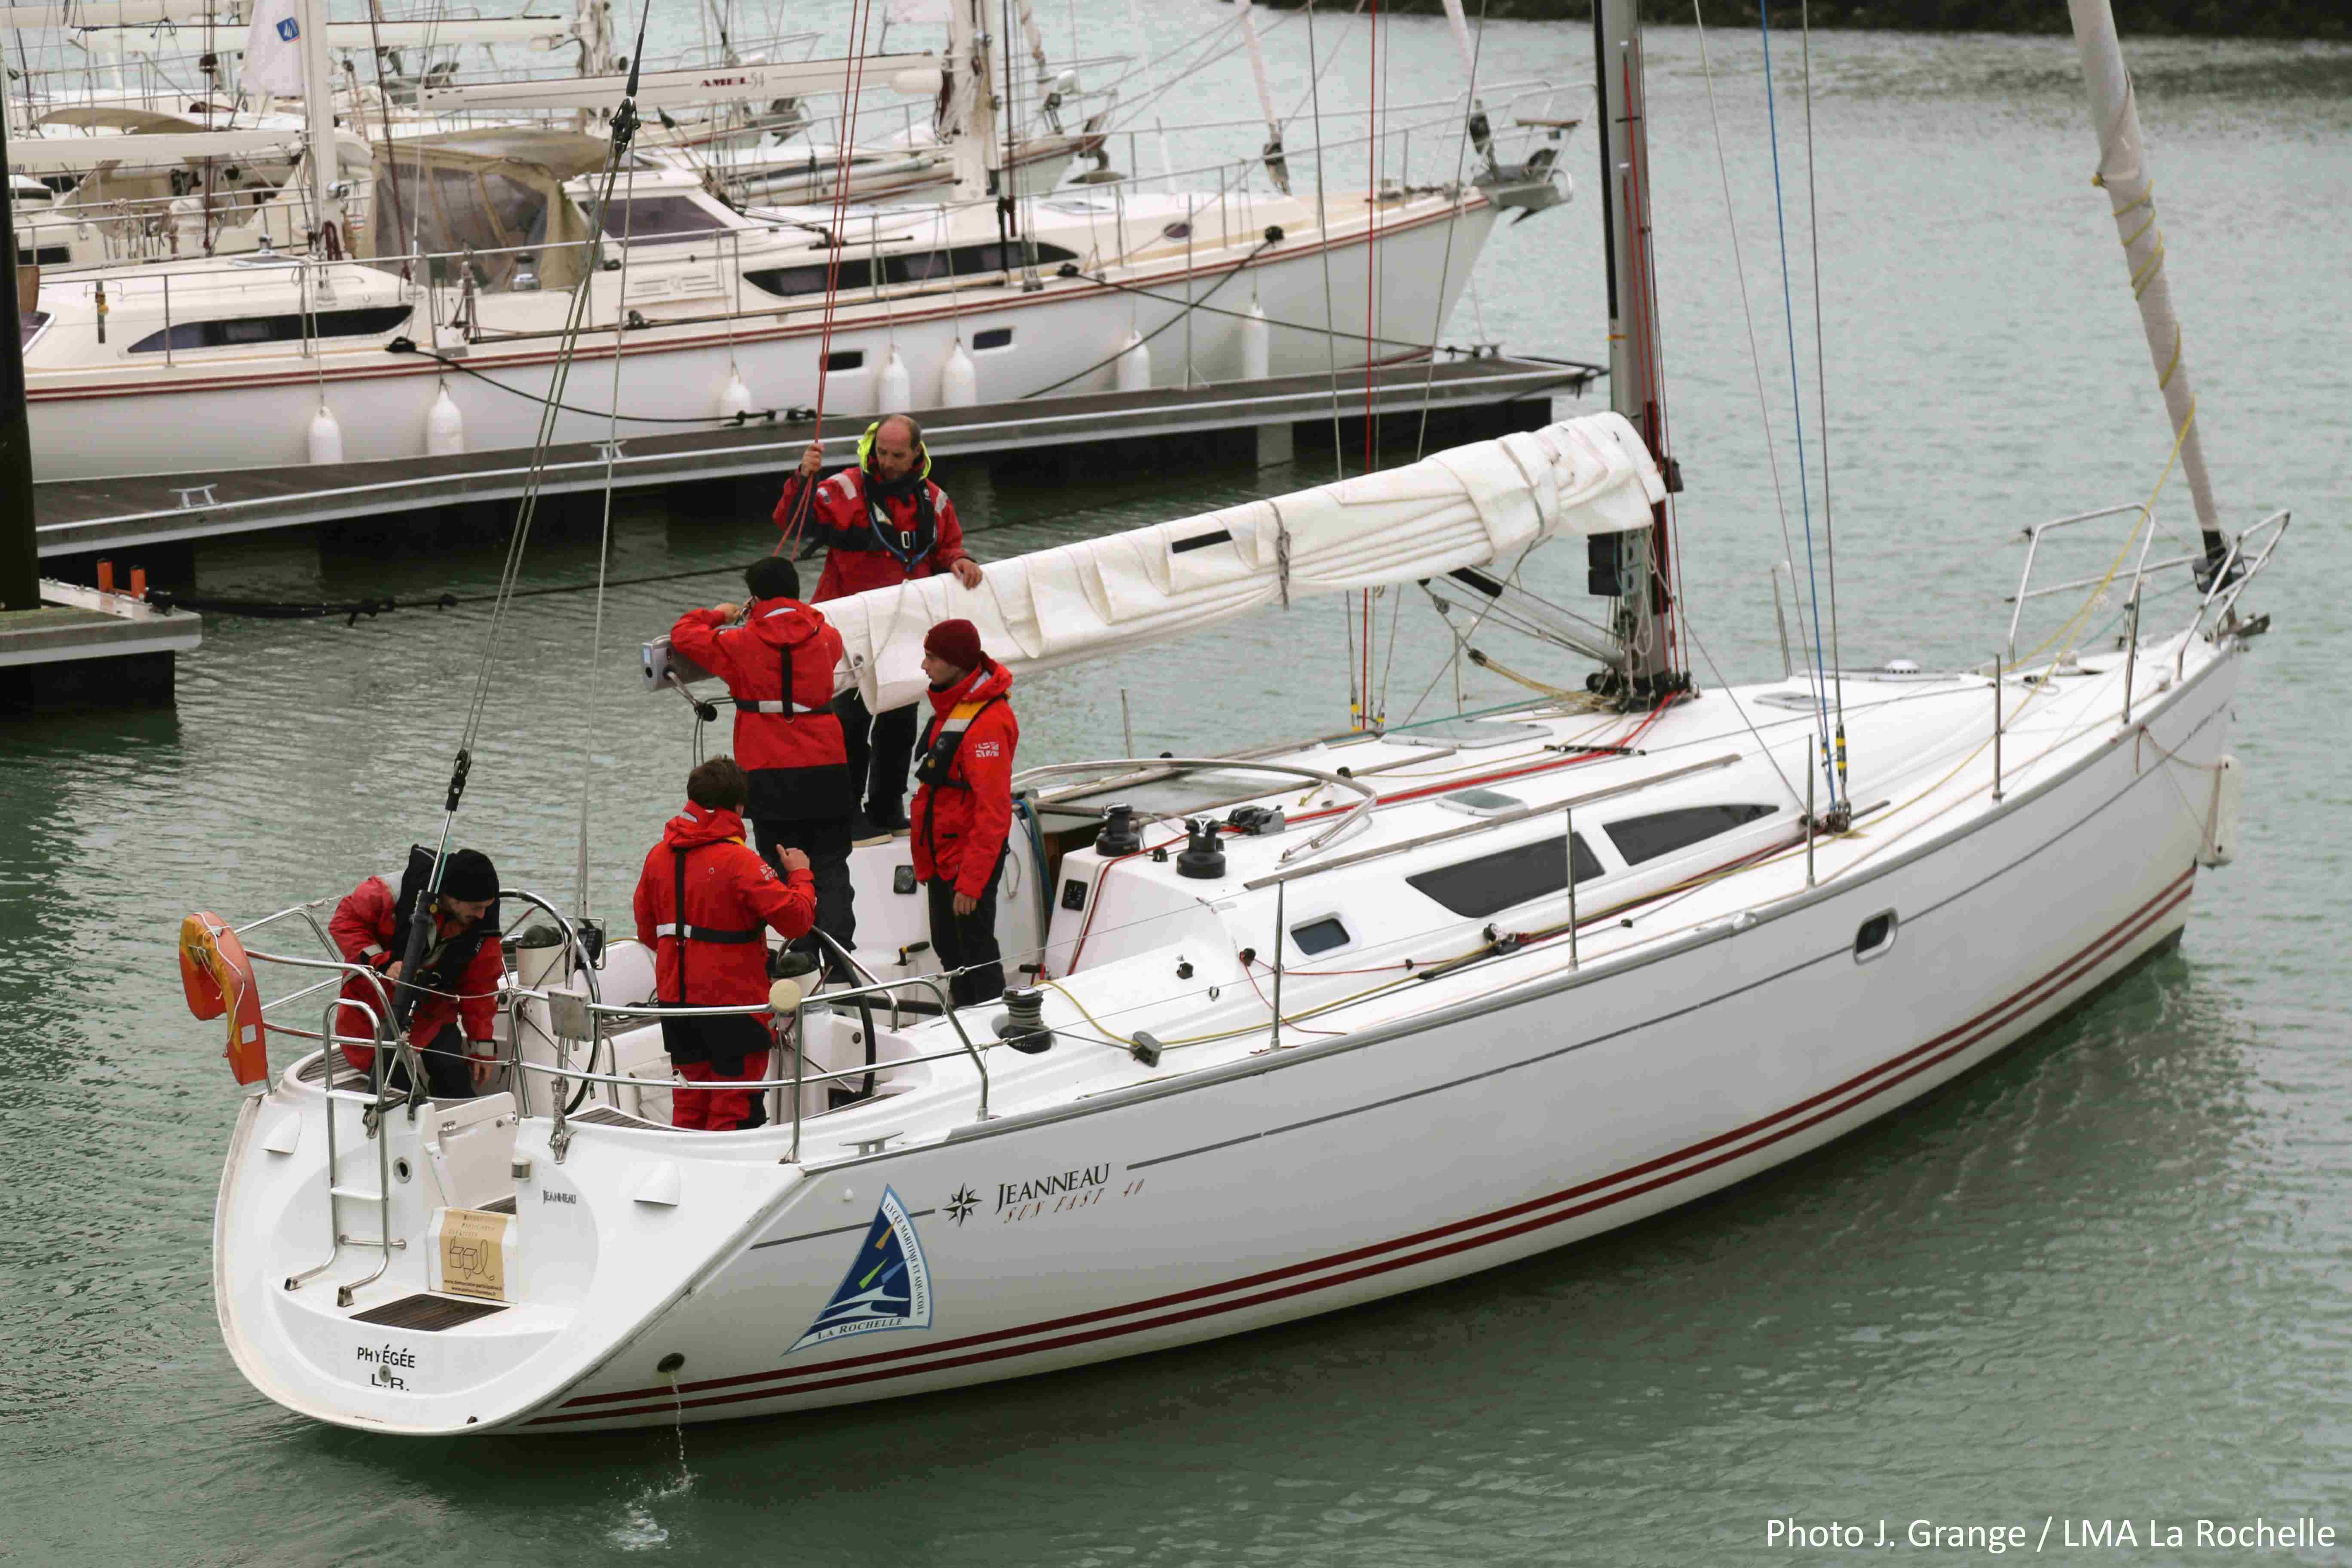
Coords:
pixel 1470 506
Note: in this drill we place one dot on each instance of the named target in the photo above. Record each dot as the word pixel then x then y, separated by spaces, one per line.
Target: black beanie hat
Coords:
pixel 469 876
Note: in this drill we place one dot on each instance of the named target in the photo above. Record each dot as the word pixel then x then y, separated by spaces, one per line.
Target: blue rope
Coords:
pixel 1797 400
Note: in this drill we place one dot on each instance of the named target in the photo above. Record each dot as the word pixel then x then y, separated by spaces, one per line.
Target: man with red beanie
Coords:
pixel 700 904
pixel 456 981
pixel 778 664
pixel 963 807
pixel 882 522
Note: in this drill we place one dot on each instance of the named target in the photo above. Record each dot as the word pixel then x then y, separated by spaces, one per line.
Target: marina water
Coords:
pixel 2104 1281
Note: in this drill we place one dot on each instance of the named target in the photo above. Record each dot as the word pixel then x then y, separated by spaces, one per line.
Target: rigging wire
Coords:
pixel 853 80
pixel 624 125
pixel 1796 394
pixel 1822 393
pixel 1747 310
pixel 1379 153
pixel 1323 230
pixel 1445 267
pixel 604 554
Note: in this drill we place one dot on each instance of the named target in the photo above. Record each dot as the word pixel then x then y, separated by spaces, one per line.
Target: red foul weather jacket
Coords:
pixel 915 535
pixel 960 820
pixel 721 959
pixel 779 666
pixel 362 929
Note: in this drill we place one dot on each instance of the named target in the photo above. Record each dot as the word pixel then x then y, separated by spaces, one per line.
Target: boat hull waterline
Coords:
pixel 1300 1180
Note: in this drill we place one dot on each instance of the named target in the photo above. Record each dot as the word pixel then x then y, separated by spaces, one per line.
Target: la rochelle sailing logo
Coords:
pixel 887 1286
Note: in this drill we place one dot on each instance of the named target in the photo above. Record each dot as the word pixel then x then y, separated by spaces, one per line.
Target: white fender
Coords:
pixel 1256 344
pixel 326 438
pixel 958 380
pixel 898 386
pixel 735 399
pixel 2220 846
pixel 445 428
pixel 1134 364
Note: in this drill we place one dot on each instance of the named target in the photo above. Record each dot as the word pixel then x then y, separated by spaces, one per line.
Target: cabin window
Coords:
pixel 995 338
pixel 1506 878
pixel 660 218
pixel 28 327
pixel 1639 839
pixel 907 266
pixel 235 332
pixel 1874 936
pixel 844 358
pixel 1320 936
pixel 45 256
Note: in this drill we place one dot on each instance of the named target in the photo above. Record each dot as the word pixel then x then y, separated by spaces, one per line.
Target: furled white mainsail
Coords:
pixel 1472 506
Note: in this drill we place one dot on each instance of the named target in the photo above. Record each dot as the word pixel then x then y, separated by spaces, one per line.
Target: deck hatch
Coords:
pixel 427 1314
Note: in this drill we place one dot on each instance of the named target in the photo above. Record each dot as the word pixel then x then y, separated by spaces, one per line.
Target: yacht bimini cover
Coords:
pixel 1470 506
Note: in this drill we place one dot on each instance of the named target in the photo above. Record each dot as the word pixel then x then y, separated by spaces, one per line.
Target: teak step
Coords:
pixel 427 1314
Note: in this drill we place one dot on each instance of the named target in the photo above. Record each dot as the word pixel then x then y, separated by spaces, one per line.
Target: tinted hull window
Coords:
pixel 1639 839
pixel 237 331
pixel 1508 877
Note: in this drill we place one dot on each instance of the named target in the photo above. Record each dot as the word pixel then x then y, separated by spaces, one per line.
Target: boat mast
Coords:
pixel 2123 171
pixel 319 113
pixel 1650 669
pixel 20 570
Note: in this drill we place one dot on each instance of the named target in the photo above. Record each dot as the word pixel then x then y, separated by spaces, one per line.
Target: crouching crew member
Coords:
pixel 701 903
pixel 963 805
pixel 882 523
pixel 457 979
pixel 779 665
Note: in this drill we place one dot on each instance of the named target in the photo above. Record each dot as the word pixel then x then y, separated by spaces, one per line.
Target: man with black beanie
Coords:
pixel 455 983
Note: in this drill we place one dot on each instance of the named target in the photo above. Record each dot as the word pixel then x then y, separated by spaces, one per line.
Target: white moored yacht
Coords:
pixel 1293 1028
pixel 451 339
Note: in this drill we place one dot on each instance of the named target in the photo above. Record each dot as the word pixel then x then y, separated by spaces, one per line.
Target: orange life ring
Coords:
pixel 219 979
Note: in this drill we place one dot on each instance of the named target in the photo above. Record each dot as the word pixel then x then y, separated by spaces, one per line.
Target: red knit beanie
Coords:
pixel 958 642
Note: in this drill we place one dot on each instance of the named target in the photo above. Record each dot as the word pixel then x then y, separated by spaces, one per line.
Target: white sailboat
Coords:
pixel 1302 1027
pixel 235 362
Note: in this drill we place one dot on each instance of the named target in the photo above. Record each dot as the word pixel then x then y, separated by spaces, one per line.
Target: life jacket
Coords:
pixel 906 546
pixel 779 669
pixel 964 801
pixel 711 965
pixel 445 959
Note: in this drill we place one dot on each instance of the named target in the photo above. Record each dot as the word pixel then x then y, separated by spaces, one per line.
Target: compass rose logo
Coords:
pixel 961 1206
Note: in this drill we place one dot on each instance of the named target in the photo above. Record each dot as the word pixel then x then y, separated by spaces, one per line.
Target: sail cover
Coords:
pixel 1471 506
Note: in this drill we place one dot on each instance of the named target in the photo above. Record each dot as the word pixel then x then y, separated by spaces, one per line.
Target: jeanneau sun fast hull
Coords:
pixel 1446 1092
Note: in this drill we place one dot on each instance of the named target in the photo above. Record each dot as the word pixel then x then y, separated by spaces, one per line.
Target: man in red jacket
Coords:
pixel 778 664
pixel 882 523
pixel 963 807
pixel 700 904
pixel 457 979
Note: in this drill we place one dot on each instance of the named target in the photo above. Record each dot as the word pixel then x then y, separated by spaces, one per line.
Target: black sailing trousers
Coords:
pixel 881 748
pixel 969 942
pixel 826 841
